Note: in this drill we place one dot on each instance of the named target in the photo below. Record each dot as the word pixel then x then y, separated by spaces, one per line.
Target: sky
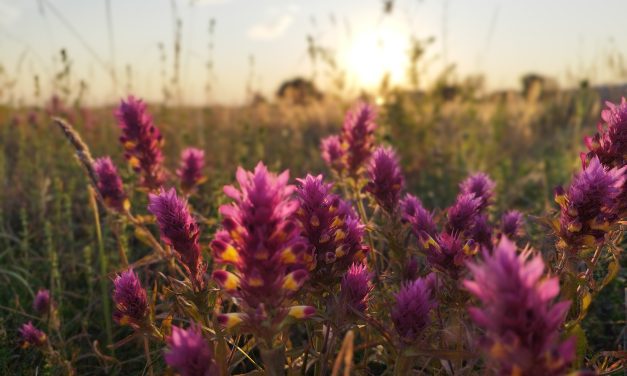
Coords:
pixel 257 44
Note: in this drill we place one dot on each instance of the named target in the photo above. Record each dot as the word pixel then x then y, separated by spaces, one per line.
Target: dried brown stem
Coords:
pixel 82 151
pixel 593 261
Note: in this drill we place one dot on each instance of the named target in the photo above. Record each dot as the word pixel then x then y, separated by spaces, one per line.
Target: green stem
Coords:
pixel 590 269
pixel 273 360
pixel 119 230
pixel 403 365
pixel 325 350
pixel 103 269
pixel 148 357
pixel 364 219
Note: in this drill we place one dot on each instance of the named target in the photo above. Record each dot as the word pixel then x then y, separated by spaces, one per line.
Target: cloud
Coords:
pixel 209 2
pixel 271 30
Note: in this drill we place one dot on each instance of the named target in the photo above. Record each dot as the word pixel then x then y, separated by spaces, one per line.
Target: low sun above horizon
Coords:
pixel 373 54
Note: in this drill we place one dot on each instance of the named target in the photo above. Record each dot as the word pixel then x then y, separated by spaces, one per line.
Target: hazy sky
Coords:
pixel 499 38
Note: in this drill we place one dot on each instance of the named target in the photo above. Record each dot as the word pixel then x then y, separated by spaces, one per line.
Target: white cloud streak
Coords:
pixel 271 30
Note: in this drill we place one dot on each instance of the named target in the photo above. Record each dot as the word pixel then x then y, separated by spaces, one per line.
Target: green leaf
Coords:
pixel 586 300
pixel 19 278
pixel 581 344
pixel 612 272
pixel 569 286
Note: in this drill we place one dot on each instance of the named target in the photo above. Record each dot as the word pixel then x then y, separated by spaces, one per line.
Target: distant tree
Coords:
pixel 537 86
pixel 258 99
pixel 298 91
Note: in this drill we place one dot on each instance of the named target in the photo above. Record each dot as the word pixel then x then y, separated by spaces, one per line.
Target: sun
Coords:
pixel 375 53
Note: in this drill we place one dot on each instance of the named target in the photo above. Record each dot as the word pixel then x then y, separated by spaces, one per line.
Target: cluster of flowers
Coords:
pixel 142 144
pixel 521 322
pixel 597 197
pixel 467 227
pixel 44 307
pixel 285 252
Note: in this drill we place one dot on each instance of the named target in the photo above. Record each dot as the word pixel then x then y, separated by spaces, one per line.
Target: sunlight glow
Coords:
pixel 375 53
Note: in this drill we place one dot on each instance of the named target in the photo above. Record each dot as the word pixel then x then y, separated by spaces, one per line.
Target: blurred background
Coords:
pixel 228 51
pixel 505 87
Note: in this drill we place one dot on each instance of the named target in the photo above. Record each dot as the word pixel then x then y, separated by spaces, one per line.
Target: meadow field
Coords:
pixel 438 228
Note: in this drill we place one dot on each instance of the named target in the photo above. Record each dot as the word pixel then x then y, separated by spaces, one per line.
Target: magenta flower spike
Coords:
pixel 385 179
pixel 190 171
pixel 512 224
pixel 413 304
pixel 409 272
pixel 42 302
pixel 449 253
pixel 609 144
pixel 353 147
pixel 355 290
pixel 518 312
pixel 131 302
pixel 189 353
pixel 110 185
pixel 462 215
pixel 33 118
pixel 179 230
pixel 260 238
pixel 420 219
pixel 358 133
pixel 481 186
pixel 142 142
pixel 332 229
pixel 481 231
pixel 334 153
pixel 31 336
pixel 589 206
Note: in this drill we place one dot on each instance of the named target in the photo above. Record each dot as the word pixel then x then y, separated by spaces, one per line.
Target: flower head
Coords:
pixel 142 142
pixel 409 272
pixel 609 144
pixel 481 186
pixel 110 185
pixel 410 313
pixel 449 253
pixel 355 289
pixel 481 231
pixel 31 336
pixel 419 218
pixel 190 169
pixel 512 224
pixel 386 178
pixel 189 353
pixel 131 302
pixel 519 316
pixel 42 302
pixel 334 153
pixel 589 206
pixel 463 213
pixel 352 148
pixel 260 237
pixel 332 228
pixel 179 230
pixel 358 134
pixel 33 118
